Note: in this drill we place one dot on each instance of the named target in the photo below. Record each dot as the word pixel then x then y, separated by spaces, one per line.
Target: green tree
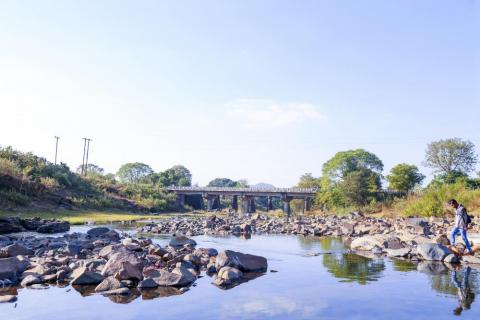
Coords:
pixel 222 182
pixel 307 180
pixel 350 178
pixel 404 177
pixel 451 156
pixel 177 175
pixel 91 168
pixel 134 172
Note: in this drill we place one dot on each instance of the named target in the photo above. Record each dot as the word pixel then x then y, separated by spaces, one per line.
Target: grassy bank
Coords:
pixel 82 217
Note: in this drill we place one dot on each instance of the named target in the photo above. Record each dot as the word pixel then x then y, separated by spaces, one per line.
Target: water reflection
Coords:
pixel 326 244
pixel 353 268
pixel 403 265
pixel 465 293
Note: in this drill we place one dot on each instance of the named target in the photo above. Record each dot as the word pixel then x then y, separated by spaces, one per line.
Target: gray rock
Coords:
pixel 398 253
pixel 29 280
pixel 180 241
pixel 227 276
pixel 98 231
pixel 17 250
pixel 9 268
pixel 470 260
pixel 54 227
pixel 82 276
pixel 432 251
pixel 120 291
pixel 147 283
pixel 108 284
pixel 117 261
pixel 241 261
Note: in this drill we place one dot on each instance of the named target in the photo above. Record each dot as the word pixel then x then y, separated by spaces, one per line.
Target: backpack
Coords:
pixel 467 218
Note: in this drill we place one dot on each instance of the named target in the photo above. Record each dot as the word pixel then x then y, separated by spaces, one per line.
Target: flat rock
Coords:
pixel 180 241
pixel 470 260
pixel 82 276
pixel 17 250
pixel 108 284
pixel 241 261
pixel 97 231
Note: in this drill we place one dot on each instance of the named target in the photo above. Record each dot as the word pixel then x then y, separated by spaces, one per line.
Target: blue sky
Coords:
pixel 261 90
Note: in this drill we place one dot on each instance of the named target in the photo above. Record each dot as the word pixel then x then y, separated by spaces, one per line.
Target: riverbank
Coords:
pixel 88 217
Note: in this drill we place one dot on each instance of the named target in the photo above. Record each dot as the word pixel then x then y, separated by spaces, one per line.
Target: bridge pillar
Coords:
pixel 246 204
pixel 252 205
pixel 307 205
pixel 180 202
pixel 269 204
pixel 286 206
pixel 235 203
pixel 216 202
pixel 209 203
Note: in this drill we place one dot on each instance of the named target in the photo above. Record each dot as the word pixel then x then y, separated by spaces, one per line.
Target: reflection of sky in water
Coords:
pixel 326 286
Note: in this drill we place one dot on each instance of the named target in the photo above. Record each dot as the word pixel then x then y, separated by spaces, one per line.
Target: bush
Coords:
pixel 9 167
pixel 432 201
pixel 13 197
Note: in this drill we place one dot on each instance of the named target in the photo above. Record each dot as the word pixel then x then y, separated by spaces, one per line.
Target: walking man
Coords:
pixel 461 223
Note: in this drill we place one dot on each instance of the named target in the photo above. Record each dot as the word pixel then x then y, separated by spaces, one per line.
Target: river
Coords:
pixel 316 279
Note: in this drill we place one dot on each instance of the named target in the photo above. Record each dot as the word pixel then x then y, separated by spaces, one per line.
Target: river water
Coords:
pixel 316 279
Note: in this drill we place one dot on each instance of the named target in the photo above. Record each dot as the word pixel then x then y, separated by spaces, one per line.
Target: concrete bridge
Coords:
pixel 246 195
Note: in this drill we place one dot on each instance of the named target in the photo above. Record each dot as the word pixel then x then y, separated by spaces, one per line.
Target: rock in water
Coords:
pixel 98 231
pixel 108 284
pixel 54 227
pixel 29 280
pixel 366 243
pixel 432 251
pixel 117 262
pixel 470 260
pixel 83 276
pixel 180 241
pixel 227 276
pixel 243 262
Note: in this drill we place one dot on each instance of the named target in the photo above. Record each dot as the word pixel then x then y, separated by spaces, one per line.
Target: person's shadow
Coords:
pixel 465 294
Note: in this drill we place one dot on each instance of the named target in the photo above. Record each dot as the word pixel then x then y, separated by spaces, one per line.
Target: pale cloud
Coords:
pixel 265 112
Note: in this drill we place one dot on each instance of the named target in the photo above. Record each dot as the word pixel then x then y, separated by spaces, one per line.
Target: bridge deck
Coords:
pixel 275 192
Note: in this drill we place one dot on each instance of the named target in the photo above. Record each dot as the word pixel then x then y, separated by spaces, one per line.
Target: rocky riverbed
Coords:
pixel 405 238
pixel 102 261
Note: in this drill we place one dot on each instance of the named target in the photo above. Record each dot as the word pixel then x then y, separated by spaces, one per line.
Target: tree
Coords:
pixel 404 177
pixel 345 162
pixel 451 156
pixel 134 172
pixel 178 176
pixel 350 178
pixel 307 180
pixel 91 168
pixel 222 182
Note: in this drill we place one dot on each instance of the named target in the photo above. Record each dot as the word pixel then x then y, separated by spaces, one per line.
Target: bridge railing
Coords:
pixel 234 189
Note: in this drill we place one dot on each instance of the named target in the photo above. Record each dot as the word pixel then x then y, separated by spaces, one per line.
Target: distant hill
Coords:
pixel 263 185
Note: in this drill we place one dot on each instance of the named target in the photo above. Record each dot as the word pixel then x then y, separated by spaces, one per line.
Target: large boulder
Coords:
pixel 81 276
pixel 366 243
pixel 98 231
pixel 180 241
pixel 243 262
pixel 125 264
pixel 432 251
pixel 10 268
pixel 29 280
pixel 17 250
pixel 10 225
pixel 54 227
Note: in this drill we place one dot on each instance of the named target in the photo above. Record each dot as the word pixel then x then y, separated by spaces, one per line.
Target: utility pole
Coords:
pixel 86 158
pixel 56 148
pixel 84 149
